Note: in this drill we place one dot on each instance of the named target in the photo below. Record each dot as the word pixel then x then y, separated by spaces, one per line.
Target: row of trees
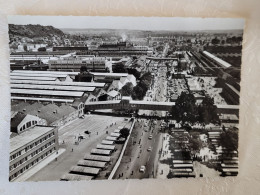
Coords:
pixel 186 111
pixel 139 91
pixel 229 139
pixel 229 40
pixel 120 68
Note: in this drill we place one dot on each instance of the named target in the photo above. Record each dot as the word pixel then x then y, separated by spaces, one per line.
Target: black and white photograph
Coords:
pixel 115 98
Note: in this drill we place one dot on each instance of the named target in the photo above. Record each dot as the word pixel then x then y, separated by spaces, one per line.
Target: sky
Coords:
pixel 133 23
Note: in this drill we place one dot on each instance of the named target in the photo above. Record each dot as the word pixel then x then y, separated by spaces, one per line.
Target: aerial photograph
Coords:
pixel 111 98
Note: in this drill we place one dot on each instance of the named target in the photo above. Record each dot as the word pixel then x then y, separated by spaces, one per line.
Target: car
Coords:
pixel 142 169
pixel 145 124
pixel 87 132
pixel 81 137
pixel 149 149
pixel 150 137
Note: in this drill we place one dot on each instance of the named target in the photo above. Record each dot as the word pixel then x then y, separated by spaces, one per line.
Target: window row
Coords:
pixel 20 162
pixel 15 175
pixel 39 141
pixel 27 125
pixel 17 154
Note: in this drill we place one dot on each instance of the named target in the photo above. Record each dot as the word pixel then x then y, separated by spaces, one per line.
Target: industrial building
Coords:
pixel 30 148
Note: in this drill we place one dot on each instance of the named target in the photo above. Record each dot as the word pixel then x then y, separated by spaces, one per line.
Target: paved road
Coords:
pixel 138 152
pixel 97 125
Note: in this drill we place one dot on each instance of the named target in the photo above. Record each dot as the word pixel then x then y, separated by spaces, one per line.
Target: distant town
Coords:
pixel 93 104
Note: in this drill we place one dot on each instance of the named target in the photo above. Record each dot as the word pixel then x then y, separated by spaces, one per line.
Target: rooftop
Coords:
pixel 52 87
pixel 222 62
pixel 28 136
pixel 97 158
pixel 75 177
pixel 21 74
pixel 90 163
pixel 45 72
pixel 79 84
pixel 109 74
pixel 17 119
pixel 50 112
pixel 113 93
pixel 33 78
pixel 43 99
pixel 47 92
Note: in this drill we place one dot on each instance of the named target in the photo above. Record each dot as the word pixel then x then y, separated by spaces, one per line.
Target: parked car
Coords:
pixel 150 137
pixel 87 132
pixel 142 169
pixel 149 149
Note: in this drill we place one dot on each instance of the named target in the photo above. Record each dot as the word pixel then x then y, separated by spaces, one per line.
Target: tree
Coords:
pixel 229 139
pixel 195 144
pixel 215 41
pixel 124 132
pixel 207 111
pixel 42 49
pixel 138 93
pixel 83 69
pixel 127 89
pixel 134 72
pixel 185 109
pixel 144 85
pixel 119 68
pixel 25 48
pixel 147 76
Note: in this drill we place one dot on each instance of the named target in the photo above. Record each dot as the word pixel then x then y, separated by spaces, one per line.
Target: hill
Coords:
pixel 33 31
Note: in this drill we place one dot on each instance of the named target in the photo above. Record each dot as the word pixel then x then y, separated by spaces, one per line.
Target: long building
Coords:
pixel 96 64
pixel 69 84
pixel 31 147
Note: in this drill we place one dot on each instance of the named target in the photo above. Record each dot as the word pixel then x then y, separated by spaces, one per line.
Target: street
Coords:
pixel 146 134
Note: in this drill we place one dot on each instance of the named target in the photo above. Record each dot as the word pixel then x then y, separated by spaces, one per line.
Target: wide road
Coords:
pixel 137 153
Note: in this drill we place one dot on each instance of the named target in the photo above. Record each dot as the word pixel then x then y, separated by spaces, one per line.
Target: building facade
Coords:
pixel 31 147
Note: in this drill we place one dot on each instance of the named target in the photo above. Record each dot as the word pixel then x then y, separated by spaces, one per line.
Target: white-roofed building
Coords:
pixel 113 95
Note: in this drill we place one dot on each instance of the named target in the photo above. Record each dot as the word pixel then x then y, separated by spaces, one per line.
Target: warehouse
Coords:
pixel 45 93
pixel 52 87
pixel 77 84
